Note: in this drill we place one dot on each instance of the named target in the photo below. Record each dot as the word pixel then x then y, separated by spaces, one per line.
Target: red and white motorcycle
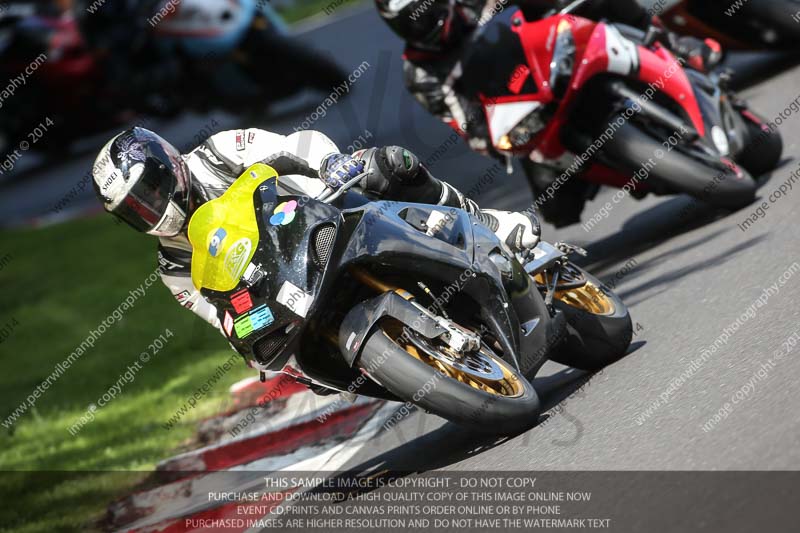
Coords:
pixel 587 103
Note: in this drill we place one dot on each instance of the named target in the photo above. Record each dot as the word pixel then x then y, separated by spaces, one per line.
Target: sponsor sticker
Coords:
pixel 114 178
pixel 167 264
pixel 240 140
pixel 252 274
pixel 216 241
pixel 237 256
pixel 182 297
pixel 518 78
pixel 227 324
pixel 295 298
pixel 257 319
pixel 251 137
pixel 241 301
pixel 284 213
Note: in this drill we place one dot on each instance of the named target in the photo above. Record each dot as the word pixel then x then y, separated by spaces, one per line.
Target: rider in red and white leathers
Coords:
pixel 442 35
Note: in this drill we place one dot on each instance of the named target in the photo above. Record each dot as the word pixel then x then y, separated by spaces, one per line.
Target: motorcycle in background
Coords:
pixel 597 101
pixel 241 51
pixel 751 25
pixel 400 301
pixel 233 55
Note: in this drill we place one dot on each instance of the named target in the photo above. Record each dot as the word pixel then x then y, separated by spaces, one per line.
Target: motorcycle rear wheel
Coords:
pixel 599 327
pixel 480 391
pixel 775 18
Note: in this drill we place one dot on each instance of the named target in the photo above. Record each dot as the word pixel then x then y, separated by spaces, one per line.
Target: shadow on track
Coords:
pixel 647 229
pixel 451 444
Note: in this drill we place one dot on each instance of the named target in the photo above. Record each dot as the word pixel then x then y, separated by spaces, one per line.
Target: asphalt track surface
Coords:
pixel 689 277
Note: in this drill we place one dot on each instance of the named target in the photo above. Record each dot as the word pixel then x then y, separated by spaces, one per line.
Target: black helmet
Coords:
pixel 431 24
pixel 143 180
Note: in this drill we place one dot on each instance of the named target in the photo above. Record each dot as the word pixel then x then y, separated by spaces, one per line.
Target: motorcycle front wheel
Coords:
pixel 478 390
pixel 763 145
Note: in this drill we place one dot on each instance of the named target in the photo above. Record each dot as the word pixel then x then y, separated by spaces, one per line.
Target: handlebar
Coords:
pixel 333 195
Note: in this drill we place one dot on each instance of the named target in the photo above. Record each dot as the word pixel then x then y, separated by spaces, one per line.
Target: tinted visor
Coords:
pixel 148 199
pixel 422 24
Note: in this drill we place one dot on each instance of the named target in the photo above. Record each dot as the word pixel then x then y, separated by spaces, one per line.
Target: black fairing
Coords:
pixel 492 59
pixel 386 235
pixel 709 97
pixel 392 234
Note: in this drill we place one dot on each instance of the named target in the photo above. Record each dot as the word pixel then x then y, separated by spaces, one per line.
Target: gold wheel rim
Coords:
pixel 509 385
pixel 588 297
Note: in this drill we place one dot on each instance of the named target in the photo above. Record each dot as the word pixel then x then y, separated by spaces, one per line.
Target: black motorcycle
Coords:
pixel 400 301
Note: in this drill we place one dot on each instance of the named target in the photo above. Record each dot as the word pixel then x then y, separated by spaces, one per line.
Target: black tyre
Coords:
pixel 292 65
pixel 599 328
pixel 763 146
pixel 774 17
pixel 481 392
pixel 707 179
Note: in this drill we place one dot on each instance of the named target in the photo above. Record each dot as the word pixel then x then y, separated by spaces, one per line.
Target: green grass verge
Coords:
pixel 59 283
pixel 304 9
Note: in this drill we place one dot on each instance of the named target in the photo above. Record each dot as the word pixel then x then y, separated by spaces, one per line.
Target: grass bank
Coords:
pixel 58 284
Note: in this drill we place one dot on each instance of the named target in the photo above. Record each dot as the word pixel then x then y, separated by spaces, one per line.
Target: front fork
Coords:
pixel 459 339
pixel 545 266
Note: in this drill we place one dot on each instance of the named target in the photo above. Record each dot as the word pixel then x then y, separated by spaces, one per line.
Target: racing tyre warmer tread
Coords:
pixel 592 341
pixel 404 375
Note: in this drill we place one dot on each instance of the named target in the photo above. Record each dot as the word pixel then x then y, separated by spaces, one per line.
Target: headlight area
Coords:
pixel 523 132
pixel 562 64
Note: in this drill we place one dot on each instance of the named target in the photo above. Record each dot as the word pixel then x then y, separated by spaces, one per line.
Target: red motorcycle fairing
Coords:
pixel 599 48
pixel 58 38
pixel 66 66
pixel 68 55
pixel 609 51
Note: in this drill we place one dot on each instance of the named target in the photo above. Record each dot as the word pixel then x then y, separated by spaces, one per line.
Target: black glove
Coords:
pixel 389 168
pixel 700 55
pixel 397 174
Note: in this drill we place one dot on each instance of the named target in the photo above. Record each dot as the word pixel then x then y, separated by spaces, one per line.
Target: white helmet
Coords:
pixel 143 180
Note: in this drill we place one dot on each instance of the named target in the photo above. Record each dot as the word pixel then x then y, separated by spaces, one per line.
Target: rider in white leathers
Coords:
pixel 142 179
